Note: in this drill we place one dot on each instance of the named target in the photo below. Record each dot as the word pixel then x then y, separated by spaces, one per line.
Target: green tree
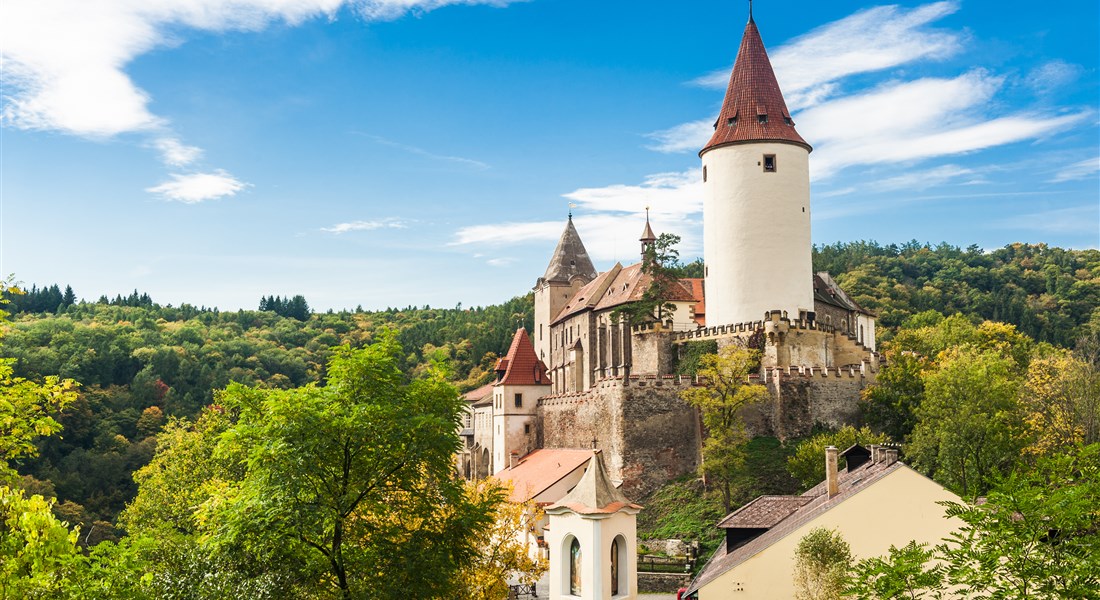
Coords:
pixel 352 482
pixel 807 464
pixel 658 263
pixel 720 402
pixel 970 429
pixel 821 563
pixel 905 572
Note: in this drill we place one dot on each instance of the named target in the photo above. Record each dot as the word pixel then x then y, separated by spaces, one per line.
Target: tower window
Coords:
pixel 762 119
pixel 769 163
pixel 704 173
pixel 731 121
pixel 519 400
pixel 526 428
pixel 788 121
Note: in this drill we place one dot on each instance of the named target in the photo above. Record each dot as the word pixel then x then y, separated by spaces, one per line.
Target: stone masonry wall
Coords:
pixel 649 435
pixel 803 398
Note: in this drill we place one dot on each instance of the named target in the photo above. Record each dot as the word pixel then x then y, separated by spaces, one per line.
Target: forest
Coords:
pixel 140 378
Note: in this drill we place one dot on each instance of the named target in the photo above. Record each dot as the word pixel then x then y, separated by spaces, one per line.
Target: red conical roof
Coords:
pixel 754 110
pixel 521 366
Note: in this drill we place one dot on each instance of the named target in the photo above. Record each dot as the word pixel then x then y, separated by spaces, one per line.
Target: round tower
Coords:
pixel 756 203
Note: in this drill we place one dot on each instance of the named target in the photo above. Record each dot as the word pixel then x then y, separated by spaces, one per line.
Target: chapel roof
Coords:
pixel 594 494
pixel 538 471
pixel 617 286
pixel 521 366
pixel 479 396
pixel 570 258
pixel 754 109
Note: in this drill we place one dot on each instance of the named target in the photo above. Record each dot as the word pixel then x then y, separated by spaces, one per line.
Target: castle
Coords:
pixel 583 378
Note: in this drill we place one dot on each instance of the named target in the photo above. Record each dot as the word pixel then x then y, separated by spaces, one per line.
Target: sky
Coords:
pixel 383 153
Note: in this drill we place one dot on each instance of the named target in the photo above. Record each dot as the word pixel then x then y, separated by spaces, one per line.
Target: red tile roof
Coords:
pixel 541 469
pixel 615 287
pixel 481 395
pixel 698 292
pixel 521 366
pixel 754 109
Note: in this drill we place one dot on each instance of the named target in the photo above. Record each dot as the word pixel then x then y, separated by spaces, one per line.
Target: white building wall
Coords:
pixel 756 232
pixel 514 428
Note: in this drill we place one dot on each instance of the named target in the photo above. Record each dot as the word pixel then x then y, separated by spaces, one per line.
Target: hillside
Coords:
pixel 141 364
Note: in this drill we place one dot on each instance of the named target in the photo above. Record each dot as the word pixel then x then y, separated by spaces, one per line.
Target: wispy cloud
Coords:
pixel 1050 76
pixel 1080 170
pixel 686 137
pixel 1072 220
pixel 65 61
pixel 340 228
pixel 617 212
pixel 923 179
pixel 175 153
pixel 477 164
pixel 870 40
pixel 198 187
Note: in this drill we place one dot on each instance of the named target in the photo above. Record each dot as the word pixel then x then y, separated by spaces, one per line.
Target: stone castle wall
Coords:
pixel 649 435
pixel 802 398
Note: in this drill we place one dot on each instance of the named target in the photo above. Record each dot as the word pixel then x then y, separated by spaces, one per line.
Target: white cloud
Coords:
pixel 870 40
pixel 64 61
pixel 175 153
pixel 365 226
pixel 500 262
pixel 686 137
pixel 477 164
pixel 198 187
pixel 921 180
pixel 611 218
pixel 1080 170
pixel 916 120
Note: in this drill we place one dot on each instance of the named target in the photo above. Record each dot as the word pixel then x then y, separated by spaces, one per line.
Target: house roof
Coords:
pixel 570 258
pixel 827 290
pixel 754 109
pixel 541 469
pixel 697 286
pixel 594 494
pixel 814 503
pixel 479 396
pixel 521 366
pixel 616 287
pixel 764 512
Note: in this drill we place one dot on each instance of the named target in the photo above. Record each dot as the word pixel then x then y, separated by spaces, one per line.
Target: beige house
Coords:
pixel 874 503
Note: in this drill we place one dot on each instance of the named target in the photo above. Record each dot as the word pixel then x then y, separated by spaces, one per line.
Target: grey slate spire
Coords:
pixel 570 259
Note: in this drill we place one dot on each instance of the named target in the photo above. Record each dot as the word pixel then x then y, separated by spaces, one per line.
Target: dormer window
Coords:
pixel 731 121
pixel 788 121
pixel 762 119
pixel 769 163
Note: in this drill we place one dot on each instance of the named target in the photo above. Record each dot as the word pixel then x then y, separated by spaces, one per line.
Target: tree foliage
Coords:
pixel 807 463
pixel 659 262
pixel 821 562
pixel 720 401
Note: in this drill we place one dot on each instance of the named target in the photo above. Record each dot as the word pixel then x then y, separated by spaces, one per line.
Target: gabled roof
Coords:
pixel 521 366
pixel 570 259
pixel 479 396
pixel 541 469
pixel 615 287
pixel 827 290
pixel 594 493
pixel 754 109
pixel 813 504
pixel 764 512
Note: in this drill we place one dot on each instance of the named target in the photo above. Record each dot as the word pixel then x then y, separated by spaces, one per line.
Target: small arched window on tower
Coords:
pixel 704 173
pixel 575 567
pixel 769 163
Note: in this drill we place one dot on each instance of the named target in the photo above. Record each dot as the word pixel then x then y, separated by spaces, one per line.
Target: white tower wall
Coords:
pixel 756 232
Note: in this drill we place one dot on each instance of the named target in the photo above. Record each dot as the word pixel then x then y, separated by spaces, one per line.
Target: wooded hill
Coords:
pixel 141 364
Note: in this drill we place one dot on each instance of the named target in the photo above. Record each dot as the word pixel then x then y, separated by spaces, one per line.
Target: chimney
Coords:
pixel 889 456
pixel 512 459
pixel 876 453
pixel 832 478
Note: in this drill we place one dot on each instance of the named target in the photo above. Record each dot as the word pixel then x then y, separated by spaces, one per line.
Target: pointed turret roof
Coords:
pixel 647 233
pixel 754 110
pixel 521 366
pixel 570 258
pixel 594 493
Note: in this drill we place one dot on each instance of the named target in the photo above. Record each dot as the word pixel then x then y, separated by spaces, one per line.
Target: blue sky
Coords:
pixel 394 152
